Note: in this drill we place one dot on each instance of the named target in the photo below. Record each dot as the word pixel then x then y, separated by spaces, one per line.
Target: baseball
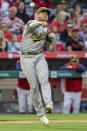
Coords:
pixel 32 4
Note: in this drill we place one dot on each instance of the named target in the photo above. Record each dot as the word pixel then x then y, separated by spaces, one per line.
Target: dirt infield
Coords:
pixel 37 121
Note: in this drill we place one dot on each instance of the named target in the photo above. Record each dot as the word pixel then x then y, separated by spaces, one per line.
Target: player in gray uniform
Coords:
pixel 34 64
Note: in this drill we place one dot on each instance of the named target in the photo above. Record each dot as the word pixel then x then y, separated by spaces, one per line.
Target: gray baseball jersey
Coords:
pixel 33 37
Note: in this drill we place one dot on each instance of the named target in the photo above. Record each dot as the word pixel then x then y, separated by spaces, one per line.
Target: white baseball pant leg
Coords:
pixel 42 73
pixel 67 102
pixel 21 100
pixel 76 102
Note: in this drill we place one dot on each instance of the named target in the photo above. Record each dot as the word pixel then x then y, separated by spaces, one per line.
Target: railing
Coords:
pixel 52 74
pixel 48 55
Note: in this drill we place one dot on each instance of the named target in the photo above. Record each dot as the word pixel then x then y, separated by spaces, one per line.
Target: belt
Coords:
pixel 30 53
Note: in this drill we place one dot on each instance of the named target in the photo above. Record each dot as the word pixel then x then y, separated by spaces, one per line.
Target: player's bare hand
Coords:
pixel 44 24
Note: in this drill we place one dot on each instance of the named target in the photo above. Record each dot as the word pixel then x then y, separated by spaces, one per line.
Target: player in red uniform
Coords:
pixel 73 86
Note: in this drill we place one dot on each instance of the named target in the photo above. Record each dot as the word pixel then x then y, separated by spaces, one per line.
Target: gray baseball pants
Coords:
pixel 36 70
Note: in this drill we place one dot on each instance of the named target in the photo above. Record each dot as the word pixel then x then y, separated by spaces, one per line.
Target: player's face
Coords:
pixel 42 16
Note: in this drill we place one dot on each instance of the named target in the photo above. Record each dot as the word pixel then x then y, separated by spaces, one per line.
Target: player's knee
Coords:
pixel 45 84
pixel 44 80
pixel 34 85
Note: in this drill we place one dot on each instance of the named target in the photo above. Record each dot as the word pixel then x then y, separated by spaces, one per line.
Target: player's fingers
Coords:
pixel 44 24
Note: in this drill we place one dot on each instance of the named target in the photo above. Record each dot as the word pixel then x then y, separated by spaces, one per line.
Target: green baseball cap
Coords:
pixel 43 9
pixel 63 2
pixel 74 58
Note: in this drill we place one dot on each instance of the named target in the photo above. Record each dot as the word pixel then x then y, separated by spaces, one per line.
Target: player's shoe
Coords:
pixel 44 120
pixel 49 109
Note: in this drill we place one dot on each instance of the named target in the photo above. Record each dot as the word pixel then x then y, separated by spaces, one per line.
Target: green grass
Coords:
pixel 57 126
pixel 34 117
pixel 40 127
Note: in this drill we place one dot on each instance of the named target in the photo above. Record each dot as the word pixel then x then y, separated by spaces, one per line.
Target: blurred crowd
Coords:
pixel 70 27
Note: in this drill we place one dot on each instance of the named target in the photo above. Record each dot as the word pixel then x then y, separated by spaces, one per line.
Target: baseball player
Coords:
pixel 33 62
pixel 73 86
